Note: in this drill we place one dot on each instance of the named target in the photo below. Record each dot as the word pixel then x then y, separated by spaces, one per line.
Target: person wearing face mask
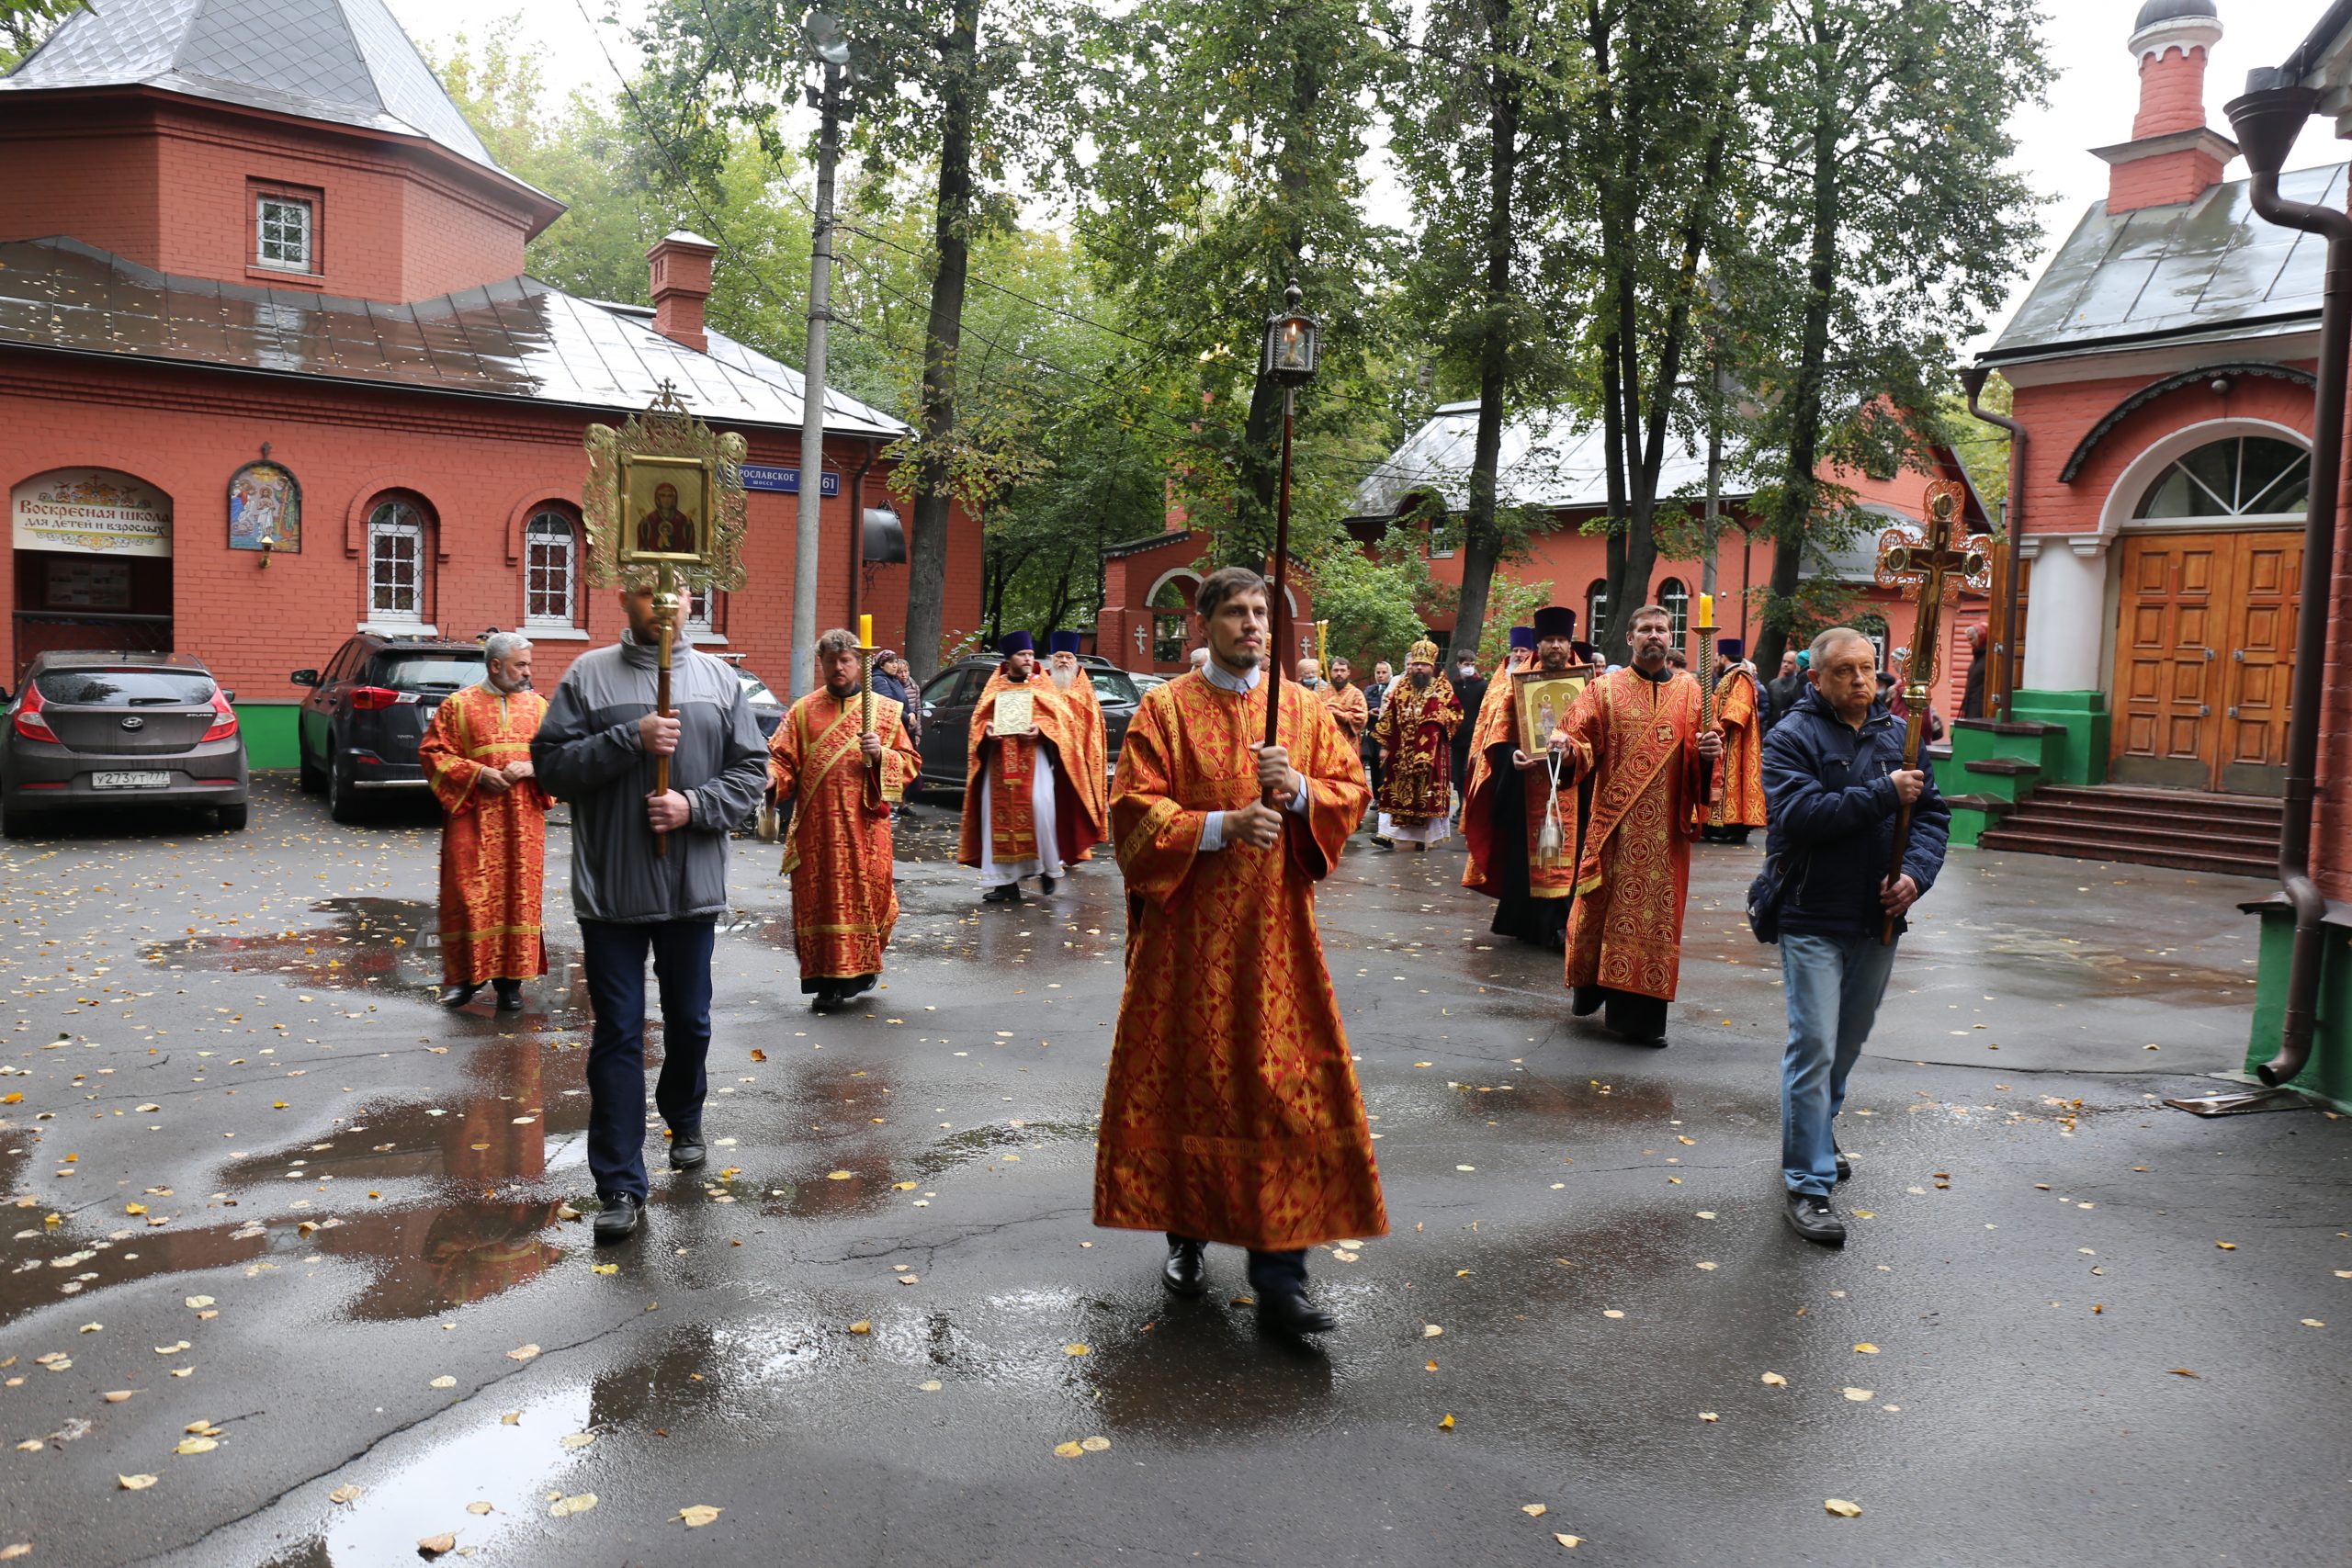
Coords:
pixel 1024 812
pixel 1634 734
pixel 1470 690
pixel 1415 732
pixel 477 754
pixel 1090 771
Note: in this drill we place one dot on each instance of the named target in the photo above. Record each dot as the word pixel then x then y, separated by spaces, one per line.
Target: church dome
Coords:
pixel 2156 11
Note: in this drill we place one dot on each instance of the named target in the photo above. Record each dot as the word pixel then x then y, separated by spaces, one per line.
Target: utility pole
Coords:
pixel 825 40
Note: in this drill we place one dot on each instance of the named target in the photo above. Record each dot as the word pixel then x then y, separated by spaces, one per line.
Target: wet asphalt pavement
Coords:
pixel 264 1186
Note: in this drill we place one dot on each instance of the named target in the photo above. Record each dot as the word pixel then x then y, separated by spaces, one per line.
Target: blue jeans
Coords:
pixel 1834 983
pixel 614 958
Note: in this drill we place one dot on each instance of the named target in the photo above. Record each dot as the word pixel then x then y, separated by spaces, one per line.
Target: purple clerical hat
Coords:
pixel 1524 637
pixel 1012 643
pixel 1062 642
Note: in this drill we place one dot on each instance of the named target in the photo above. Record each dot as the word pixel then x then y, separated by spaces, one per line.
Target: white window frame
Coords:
pixel 1595 607
pixel 388 520
pixel 307 263
pixel 543 530
pixel 1677 606
pixel 702 626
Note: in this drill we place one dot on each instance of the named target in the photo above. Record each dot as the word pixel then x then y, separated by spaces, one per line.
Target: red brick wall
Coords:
pixel 2165 180
pixel 2172 92
pixel 478 466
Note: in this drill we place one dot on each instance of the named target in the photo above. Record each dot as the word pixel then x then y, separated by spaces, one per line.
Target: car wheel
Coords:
pixel 232 817
pixel 342 801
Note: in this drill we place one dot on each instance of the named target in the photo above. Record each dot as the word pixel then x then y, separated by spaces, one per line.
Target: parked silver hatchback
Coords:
pixel 101 729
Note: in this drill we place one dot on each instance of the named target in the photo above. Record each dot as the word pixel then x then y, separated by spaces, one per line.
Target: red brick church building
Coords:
pixel 271 369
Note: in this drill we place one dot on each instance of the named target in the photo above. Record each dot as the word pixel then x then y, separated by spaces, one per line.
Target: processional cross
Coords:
pixel 1931 565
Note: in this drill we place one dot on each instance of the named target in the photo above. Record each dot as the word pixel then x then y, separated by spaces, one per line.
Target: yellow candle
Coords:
pixel 865 631
pixel 1706 609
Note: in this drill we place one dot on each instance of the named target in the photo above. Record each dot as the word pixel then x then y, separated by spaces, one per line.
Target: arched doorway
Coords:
pixel 2210 561
pixel 93 564
pixel 1171 606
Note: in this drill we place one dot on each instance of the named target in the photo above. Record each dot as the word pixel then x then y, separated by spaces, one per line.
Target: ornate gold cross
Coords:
pixel 1929 565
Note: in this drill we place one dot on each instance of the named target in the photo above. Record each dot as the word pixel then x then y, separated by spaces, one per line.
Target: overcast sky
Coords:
pixel 2091 103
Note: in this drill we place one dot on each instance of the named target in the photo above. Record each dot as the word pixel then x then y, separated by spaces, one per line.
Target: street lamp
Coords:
pixel 828 43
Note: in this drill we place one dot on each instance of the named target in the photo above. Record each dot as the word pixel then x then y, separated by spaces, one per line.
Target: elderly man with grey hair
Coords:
pixel 477 756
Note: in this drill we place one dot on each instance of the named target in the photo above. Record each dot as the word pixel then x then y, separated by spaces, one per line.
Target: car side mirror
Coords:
pixel 229 697
pixel 304 677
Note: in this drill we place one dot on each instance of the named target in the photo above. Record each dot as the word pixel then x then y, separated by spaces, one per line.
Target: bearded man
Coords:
pixel 1090 771
pixel 1634 734
pixel 1740 709
pixel 1025 813
pixel 1232 1113
pixel 1346 701
pixel 829 762
pixel 1522 823
pixel 477 754
pixel 1415 733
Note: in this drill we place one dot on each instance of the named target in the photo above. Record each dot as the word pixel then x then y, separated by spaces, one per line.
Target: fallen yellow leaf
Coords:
pixel 444 1381
pixel 1533 1510
pixel 1431 1331
pixel 1865 1349
pixel 839 1175
pixel 1446 1425
pixel 2227 1246
pixel 1773 1380
pixel 436 1545
pixel 605 1268
pixel 577 1439
pixel 1068 1450
pixel 512 1418
pixel 1077 1350
pixel 479 1508
pixel 347 1494
pixel 196 1445
pixel 1569 1540
pixel 698 1514
pixel 1860 1396
pixel 861 1327
pixel 196 1302
pixel 115 1396
pixel 134 1482
pixel 1843 1510
pixel 1709 1415
pixel 1095 1445
pixel 522 1352
pixel 564 1507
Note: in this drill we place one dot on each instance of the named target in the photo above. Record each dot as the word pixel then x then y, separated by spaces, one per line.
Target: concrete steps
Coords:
pixel 2229 835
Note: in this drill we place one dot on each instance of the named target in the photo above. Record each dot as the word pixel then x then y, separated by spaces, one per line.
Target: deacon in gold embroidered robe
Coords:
pixel 1232 1112
pixel 1090 774
pixel 1522 832
pixel 1024 813
pixel 1635 736
pixel 1739 786
pixel 1415 733
pixel 829 768
pixel 477 756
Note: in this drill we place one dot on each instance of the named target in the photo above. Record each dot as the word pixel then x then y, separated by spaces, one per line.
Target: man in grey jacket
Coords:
pixel 596 751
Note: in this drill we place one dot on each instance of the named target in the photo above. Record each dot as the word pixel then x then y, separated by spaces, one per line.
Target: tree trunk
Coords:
pixel 1793 518
pixel 1481 541
pixel 1251 541
pixel 927 545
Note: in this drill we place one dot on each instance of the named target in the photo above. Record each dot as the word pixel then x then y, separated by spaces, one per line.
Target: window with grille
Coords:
pixel 396 563
pixel 707 619
pixel 283 232
pixel 1596 607
pixel 551 572
pixel 2243 476
pixel 1675 600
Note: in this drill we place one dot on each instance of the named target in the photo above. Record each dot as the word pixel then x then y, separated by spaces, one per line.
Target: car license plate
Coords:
pixel 130 781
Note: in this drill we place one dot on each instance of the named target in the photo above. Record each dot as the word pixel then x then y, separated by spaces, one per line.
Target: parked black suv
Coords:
pixel 358 730
pixel 955 692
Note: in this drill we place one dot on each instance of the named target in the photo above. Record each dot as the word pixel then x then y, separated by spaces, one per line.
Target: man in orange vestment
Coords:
pixel 828 761
pixel 1739 703
pixel 1024 813
pixel 1232 1112
pixel 1346 701
pixel 1521 817
pixel 1090 774
pixel 1635 735
pixel 477 755
pixel 1415 733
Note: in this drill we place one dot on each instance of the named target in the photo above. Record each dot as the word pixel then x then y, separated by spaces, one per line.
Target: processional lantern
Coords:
pixel 1294 343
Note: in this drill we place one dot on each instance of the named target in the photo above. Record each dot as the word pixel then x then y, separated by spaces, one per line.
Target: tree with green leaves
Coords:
pixel 23 24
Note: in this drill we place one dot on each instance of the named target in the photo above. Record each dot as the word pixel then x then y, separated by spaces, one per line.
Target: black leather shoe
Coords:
pixel 1845 1166
pixel 617 1221
pixel 686 1150
pixel 458 995
pixel 1186 1271
pixel 1291 1312
pixel 1048 884
pixel 1009 893
pixel 1585 1000
pixel 509 995
pixel 1812 1218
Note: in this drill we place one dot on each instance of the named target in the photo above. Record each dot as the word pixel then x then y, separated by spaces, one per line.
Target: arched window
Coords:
pixel 2241 476
pixel 1172 609
pixel 396 556
pixel 551 572
pixel 1676 600
pixel 1596 607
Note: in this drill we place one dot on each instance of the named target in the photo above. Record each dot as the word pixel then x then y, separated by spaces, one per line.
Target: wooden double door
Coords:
pixel 2205 660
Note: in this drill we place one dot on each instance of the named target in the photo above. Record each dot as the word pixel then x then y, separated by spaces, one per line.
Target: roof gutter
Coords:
pixel 2268 118
pixel 2007 646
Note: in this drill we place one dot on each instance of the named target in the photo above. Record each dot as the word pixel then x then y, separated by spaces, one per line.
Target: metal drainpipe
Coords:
pixel 2268 119
pixel 2012 648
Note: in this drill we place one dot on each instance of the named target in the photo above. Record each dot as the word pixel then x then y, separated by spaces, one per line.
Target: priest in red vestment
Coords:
pixel 1415 734
pixel 477 756
pixel 1635 736
pixel 1521 819
pixel 1025 813
pixel 1232 1112
pixel 1090 774
pixel 829 762
pixel 1739 710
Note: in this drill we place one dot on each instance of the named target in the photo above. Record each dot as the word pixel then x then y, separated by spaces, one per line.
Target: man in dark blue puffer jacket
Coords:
pixel 1833 784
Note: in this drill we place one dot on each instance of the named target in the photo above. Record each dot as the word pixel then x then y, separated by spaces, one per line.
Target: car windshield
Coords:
pixel 1113 684
pixel 754 689
pixel 425 671
pixel 125 688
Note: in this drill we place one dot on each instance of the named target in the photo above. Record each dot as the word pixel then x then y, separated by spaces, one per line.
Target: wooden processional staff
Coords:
pixel 1931 566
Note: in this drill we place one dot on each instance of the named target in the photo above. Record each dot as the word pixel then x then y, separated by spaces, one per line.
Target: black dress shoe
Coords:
pixel 617 1221
pixel 1186 1271
pixel 1009 893
pixel 686 1150
pixel 1585 1000
pixel 509 995
pixel 458 995
pixel 1811 1217
pixel 1290 1312
pixel 1845 1166
pixel 1048 884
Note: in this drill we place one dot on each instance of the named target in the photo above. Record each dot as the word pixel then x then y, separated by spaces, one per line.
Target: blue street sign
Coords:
pixel 786 481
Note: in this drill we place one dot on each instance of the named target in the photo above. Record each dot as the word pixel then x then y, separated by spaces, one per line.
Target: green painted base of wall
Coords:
pixel 2084 716
pixel 269 734
pixel 2329 1076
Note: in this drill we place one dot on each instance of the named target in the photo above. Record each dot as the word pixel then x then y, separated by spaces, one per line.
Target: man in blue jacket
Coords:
pixel 1833 784
pixel 596 750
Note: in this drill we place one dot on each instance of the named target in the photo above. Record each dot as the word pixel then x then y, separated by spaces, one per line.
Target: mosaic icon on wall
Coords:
pixel 264 507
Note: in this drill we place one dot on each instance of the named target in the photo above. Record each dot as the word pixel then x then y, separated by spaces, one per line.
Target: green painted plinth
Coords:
pixel 2084 716
pixel 269 733
pixel 2329 1074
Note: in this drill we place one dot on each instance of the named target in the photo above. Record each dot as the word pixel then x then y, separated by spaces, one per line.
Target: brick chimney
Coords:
pixel 2173 156
pixel 680 283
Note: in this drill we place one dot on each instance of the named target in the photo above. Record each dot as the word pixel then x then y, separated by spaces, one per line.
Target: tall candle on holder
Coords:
pixel 1706 609
pixel 865 631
